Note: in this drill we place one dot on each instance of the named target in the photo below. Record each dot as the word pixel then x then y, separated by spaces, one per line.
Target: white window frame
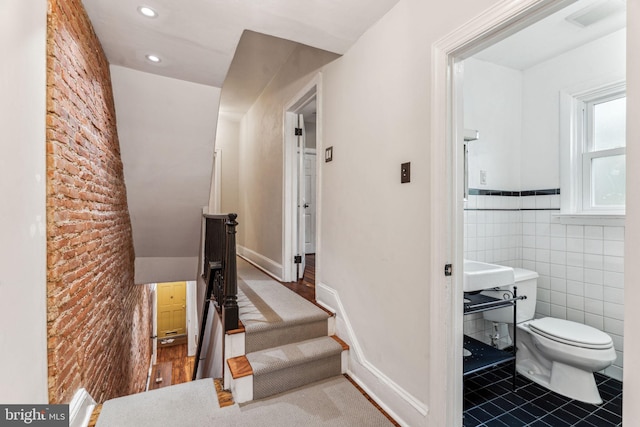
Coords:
pixel 576 154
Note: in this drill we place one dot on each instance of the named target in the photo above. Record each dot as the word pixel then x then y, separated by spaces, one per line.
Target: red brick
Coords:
pixel 92 301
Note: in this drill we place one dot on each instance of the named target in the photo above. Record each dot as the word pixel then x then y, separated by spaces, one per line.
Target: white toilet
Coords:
pixel 558 354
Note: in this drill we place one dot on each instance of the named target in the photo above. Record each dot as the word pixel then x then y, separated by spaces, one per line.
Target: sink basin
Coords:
pixel 482 275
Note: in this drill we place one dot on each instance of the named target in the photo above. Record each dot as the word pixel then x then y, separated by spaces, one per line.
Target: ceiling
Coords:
pixel 555 35
pixel 167 112
pixel 196 39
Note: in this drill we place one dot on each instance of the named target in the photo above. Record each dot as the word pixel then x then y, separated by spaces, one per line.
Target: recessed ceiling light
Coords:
pixel 147 11
pixel 153 58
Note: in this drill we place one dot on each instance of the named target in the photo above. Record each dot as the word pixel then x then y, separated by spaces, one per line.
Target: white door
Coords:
pixel 310 202
pixel 301 199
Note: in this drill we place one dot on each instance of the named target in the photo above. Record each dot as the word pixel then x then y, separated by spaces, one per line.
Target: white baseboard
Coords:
pixel 405 408
pixel 81 408
pixel 265 264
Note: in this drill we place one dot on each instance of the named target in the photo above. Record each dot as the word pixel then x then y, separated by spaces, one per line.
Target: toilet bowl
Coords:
pixel 558 354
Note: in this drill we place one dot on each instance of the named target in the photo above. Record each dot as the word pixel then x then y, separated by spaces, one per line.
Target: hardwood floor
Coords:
pixel 181 363
pixel 225 398
pixel 306 286
pixel 161 375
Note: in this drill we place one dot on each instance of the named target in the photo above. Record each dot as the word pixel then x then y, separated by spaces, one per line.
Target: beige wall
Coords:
pixel 228 142
pixel 23 339
pixel 166 128
pixel 261 155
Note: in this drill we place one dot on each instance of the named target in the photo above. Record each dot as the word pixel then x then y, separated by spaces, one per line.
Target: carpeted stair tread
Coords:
pixel 290 355
pixel 286 337
pixel 294 365
pixel 193 403
pixel 273 315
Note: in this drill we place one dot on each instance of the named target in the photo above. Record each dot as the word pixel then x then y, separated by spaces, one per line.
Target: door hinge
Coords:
pixel 298 131
pixel 297 259
pixel 448 269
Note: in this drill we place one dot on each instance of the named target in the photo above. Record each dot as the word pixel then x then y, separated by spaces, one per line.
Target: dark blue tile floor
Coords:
pixel 489 401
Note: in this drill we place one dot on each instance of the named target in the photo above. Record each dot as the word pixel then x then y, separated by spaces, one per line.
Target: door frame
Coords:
pixel 290 175
pixel 446 244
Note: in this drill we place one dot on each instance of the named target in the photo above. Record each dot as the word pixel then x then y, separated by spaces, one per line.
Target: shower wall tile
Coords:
pixel 580 267
pixel 614 248
pixel 575 315
pixel 614 233
pixel 595 320
pixel 613 279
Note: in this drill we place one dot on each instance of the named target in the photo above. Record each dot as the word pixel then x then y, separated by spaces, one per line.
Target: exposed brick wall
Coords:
pixel 98 320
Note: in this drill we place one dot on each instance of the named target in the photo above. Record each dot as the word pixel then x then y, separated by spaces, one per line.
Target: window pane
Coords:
pixel 609 124
pixel 608 175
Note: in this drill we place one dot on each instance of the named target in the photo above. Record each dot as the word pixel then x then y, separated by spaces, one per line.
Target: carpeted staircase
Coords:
pixel 286 342
pixel 285 351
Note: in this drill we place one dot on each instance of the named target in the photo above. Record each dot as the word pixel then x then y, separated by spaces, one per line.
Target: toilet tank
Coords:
pixel 527 283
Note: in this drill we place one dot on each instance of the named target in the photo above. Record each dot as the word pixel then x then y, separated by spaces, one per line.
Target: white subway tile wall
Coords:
pixel 581 267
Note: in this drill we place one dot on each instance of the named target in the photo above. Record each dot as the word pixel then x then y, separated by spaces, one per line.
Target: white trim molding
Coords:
pixel 81 408
pixel 574 175
pixel 388 394
pixel 446 244
pixel 269 266
pixel 289 181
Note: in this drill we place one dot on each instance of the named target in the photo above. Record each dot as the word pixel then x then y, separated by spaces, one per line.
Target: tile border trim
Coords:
pixel 508 193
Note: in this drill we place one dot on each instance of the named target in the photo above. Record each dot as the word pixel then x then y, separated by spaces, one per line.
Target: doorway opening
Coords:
pixel 302 131
pixel 455 57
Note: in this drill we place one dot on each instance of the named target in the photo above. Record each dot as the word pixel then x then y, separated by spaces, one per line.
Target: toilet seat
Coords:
pixel 571 333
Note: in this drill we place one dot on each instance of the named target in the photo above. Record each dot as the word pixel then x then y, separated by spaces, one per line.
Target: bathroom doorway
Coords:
pixel 521 239
pixel 533 99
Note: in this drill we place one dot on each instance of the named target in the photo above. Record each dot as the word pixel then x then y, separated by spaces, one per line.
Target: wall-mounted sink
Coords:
pixel 482 275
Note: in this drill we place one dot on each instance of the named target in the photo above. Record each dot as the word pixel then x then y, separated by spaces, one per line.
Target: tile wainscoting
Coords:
pixel 581 267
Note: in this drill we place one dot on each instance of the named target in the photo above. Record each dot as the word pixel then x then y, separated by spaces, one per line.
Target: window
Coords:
pixel 595 144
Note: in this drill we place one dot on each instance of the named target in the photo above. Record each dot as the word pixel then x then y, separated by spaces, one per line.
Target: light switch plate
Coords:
pixel 328 154
pixel 405 172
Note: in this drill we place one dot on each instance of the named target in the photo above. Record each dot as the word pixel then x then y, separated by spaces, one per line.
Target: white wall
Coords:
pixel 193 323
pixel 261 158
pixel 228 142
pixel 517 113
pixel 165 269
pixel 375 231
pixel 166 129
pixel 540 111
pixel 493 106
pixel 632 231
pixel 23 258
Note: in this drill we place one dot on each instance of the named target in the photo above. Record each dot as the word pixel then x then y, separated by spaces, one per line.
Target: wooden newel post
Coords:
pixel 230 306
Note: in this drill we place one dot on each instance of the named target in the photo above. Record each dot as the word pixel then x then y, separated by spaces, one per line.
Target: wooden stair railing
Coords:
pixel 230 301
pixel 220 274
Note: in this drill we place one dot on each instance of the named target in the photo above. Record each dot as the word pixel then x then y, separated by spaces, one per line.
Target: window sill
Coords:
pixel 614 220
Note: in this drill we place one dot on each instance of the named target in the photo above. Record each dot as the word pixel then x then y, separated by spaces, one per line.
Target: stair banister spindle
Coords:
pixel 230 306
